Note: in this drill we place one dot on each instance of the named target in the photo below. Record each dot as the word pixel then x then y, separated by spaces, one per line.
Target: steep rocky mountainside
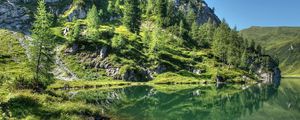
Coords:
pixel 280 42
pixel 17 15
pixel 132 61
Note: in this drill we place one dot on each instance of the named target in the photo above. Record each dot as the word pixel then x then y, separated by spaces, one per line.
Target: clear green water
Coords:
pixel 196 102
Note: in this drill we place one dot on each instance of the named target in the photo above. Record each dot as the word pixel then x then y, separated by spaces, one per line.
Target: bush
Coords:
pixel 22 82
pixel 117 42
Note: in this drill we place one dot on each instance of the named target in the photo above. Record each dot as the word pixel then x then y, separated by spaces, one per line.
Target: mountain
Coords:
pixel 52 46
pixel 168 39
pixel 17 15
pixel 280 42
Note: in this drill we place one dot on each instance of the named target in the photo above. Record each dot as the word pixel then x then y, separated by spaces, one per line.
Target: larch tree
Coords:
pixel 182 30
pixel 244 60
pixel 207 32
pixel 194 31
pixel 221 40
pixel 93 22
pixel 74 32
pixel 42 47
pixel 191 16
pixel 132 16
pixel 161 12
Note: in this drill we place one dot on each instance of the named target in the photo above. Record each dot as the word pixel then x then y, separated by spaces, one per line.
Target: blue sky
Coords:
pixel 247 13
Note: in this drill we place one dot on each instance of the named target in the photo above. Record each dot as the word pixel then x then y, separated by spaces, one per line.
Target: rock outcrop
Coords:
pixel 270 77
pixel 14 17
pixel 268 71
pixel 203 12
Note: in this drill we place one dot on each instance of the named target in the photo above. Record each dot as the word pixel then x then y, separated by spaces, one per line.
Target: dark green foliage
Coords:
pixel 191 17
pixel 172 15
pixel 118 41
pixel 206 33
pixel 194 33
pixel 150 7
pixel 162 12
pixel 244 60
pixel 132 16
pixel 182 30
pixel 74 32
pixel 221 40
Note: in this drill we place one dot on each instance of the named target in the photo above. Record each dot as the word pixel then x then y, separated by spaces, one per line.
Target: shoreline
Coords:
pixel 292 77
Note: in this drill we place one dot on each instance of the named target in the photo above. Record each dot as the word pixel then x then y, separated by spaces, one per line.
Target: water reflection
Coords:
pixel 221 102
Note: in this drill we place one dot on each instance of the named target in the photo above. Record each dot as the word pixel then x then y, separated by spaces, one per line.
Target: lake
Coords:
pixel 198 102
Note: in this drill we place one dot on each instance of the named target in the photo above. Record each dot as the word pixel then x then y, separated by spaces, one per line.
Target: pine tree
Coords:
pixel 146 38
pixel 206 34
pixel 74 33
pixel 93 22
pixel 234 48
pixel 161 12
pixel 92 18
pixel 258 49
pixel 111 7
pixel 132 16
pixel 117 7
pixel 171 18
pixel 194 34
pixel 150 7
pixel 221 40
pixel 191 17
pixel 252 46
pixel 182 30
pixel 244 60
pixel 42 47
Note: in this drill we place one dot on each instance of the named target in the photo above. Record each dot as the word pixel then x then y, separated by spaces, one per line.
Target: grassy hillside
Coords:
pixel 13 60
pixel 283 42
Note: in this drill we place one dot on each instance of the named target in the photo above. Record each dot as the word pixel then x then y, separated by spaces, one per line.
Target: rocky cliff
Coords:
pixel 17 15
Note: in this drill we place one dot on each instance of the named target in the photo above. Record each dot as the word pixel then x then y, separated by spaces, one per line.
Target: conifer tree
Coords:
pixel 206 34
pixel 93 22
pixel 117 7
pixel 244 60
pixel 161 12
pixel 194 34
pixel 146 38
pixel 74 32
pixel 191 16
pixel 150 7
pixel 258 49
pixel 252 46
pixel 92 18
pixel 221 40
pixel 182 30
pixel 132 16
pixel 234 48
pixel 111 7
pixel 42 47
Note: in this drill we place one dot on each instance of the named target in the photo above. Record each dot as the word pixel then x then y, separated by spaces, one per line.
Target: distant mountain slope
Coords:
pixel 283 42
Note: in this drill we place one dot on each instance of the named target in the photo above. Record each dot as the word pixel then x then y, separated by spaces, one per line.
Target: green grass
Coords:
pixel 176 78
pixel 83 84
pixel 13 60
pixel 27 105
pixel 278 41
